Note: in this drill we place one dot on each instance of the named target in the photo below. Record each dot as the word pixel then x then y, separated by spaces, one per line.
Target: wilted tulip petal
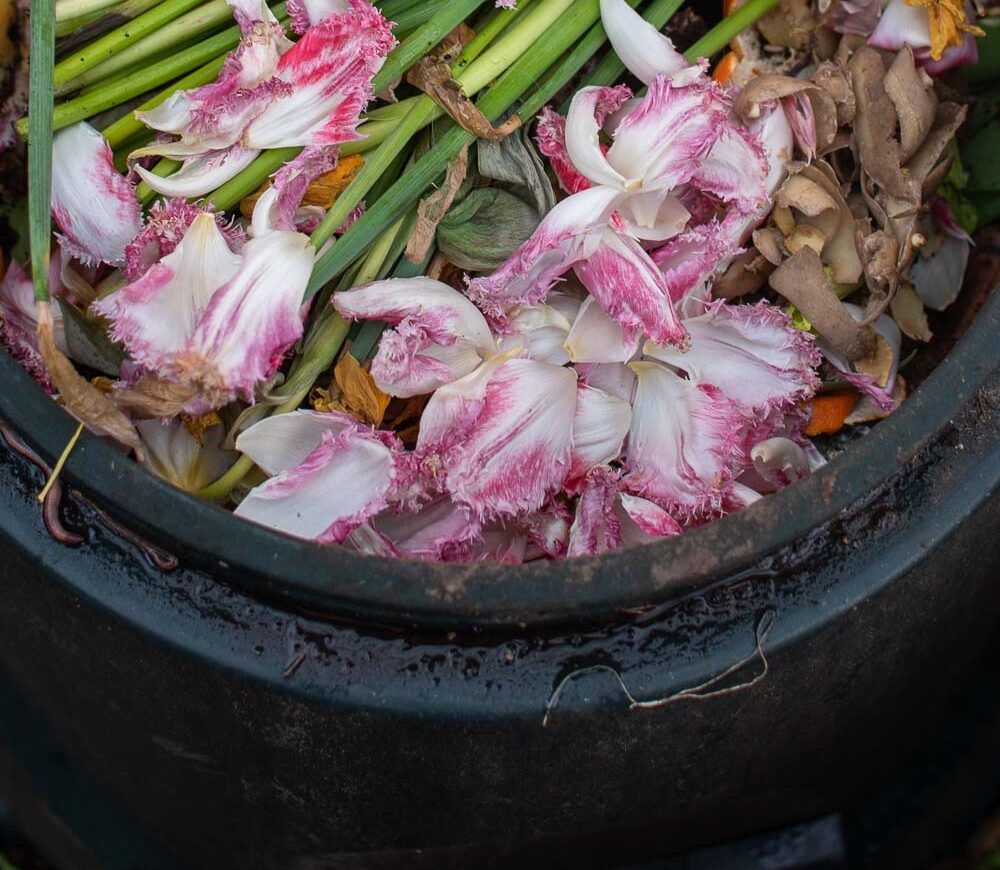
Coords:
pixel 251 320
pixel 328 73
pixel 752 353
pixel 571 232
pixel 500 438
pixel 685 443
pixel 587 113
pixel 345 480
pixel 439 335
pixel 597 338
pixel 648 521
pixel 540 332
pixel 438 531
pixel 551 137
pixel 620 275
pixel 615 378
pixel 306 13
pixel 201 173
pixel 155 315
pixel 173 453
pixel 952 45
pixel 93 204
pixel 600 425
pixel 283 441
pixel 641 47
pixel 18 324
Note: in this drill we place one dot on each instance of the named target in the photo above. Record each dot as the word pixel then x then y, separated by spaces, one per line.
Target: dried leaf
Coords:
pixel 803 281
pixel 866 411
pixel 485 228
pixel 432 75
pixel 358 394
pixel 947 24
pixel 879 255
pixel 879 363
pixel 516 164
pixel 770 245
pixel 908 311
pixel 768 87
pixel 434 207
pixel 151 397
pixel 915 101
pixel 747 274
pixel 81 398
pixel 830 77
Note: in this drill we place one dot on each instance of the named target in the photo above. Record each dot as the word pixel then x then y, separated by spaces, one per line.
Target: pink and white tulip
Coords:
pixel 93 205
pixel 212 319
pixel 905 24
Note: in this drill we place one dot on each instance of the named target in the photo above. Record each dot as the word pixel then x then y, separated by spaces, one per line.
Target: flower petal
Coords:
pixel 305 13
pixel 600 425
pixel 685 443
pixel 690 260
pixel 565 236
pixel 551 137
pixel 18 325
pixel 439 531
pixel 173 453
pixel 540 332
pixel 200 174
pixel 596 526
pixel 93 204
pixel 597 338
pixel 615 378
pixel 439 335
pixel 342 483
pixel 641 47
pixel 647 521
pixel 251 321
pixel 631 289
pixel 502 437
pixel 156 315
pixel 665 138
pixel 289 186
pixel 329 71
pixel 752 353
pixel 282 441
pixel 587 112
pixel 735 168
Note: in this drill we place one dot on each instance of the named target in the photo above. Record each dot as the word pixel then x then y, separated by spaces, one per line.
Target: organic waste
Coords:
pixel 463 280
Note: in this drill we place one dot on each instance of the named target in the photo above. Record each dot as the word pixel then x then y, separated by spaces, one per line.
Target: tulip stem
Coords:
pixel 43 52
pixel 111 43
pixel 78 8
pixel 198 21
pixel 731 26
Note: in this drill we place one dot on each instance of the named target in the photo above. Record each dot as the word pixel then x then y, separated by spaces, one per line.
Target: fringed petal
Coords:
pixel 685 444
pixel 645 521
pixel 641 47
pixel 438 531
pixel 166 225
pixel 690 260
pixel 343 482
pixel 439 335
pixel 600 425
pixel 93 204
pixel 282 441
pixel 587 113
pixel 565 236
pixel 501 437
pixel 329 71
pixel 615 378
pixel 630 288
pixel 551 137
pixel 251 321
pixel 735 169
pixel 155 316
pixel 289 186
pixel 752 353
pixel 18 325
pixel 596 525
pixel 664 140
pixel 306 13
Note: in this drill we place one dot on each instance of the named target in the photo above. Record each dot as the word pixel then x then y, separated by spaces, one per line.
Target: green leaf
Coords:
pixel 43 52
pixel 483 230
pixel 515 163
pixel 979 157
pixel 88 343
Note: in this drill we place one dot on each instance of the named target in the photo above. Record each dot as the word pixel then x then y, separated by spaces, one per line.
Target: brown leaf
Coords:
pixel 151 397
pixel 803 282
pixel 82 399
pixel 433 76
pixel 746 274
pixel 915 102
pixel 908 311
pixel 359 395
pixel 769 87
pixel 434 207
pixel 830 77
pixel 322 192
pixel 879 255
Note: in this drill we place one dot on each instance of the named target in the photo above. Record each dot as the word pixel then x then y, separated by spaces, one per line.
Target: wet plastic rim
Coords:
pixel 347 585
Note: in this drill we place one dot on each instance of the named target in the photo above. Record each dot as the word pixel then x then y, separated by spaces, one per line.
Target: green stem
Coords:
pixel 511 45
pixel 85 28
pixel 196 22
pixel 66 9
pixel 43 53
pixel 143 192
pixel 731 26
pixel 421 41
pixel 129 126
pixel 111 43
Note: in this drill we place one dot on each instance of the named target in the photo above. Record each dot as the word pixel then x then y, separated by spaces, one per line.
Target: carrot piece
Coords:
pixel 723 71
pixel 829 410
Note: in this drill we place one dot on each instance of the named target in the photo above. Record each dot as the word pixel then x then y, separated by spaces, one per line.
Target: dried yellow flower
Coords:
pixel 197 426
pixel 323 191
pixel 948 24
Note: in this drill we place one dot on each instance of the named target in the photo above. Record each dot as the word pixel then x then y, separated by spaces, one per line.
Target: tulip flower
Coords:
pixel 170 451
pixel 215 322
pixel 93 205
pixel 272 94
